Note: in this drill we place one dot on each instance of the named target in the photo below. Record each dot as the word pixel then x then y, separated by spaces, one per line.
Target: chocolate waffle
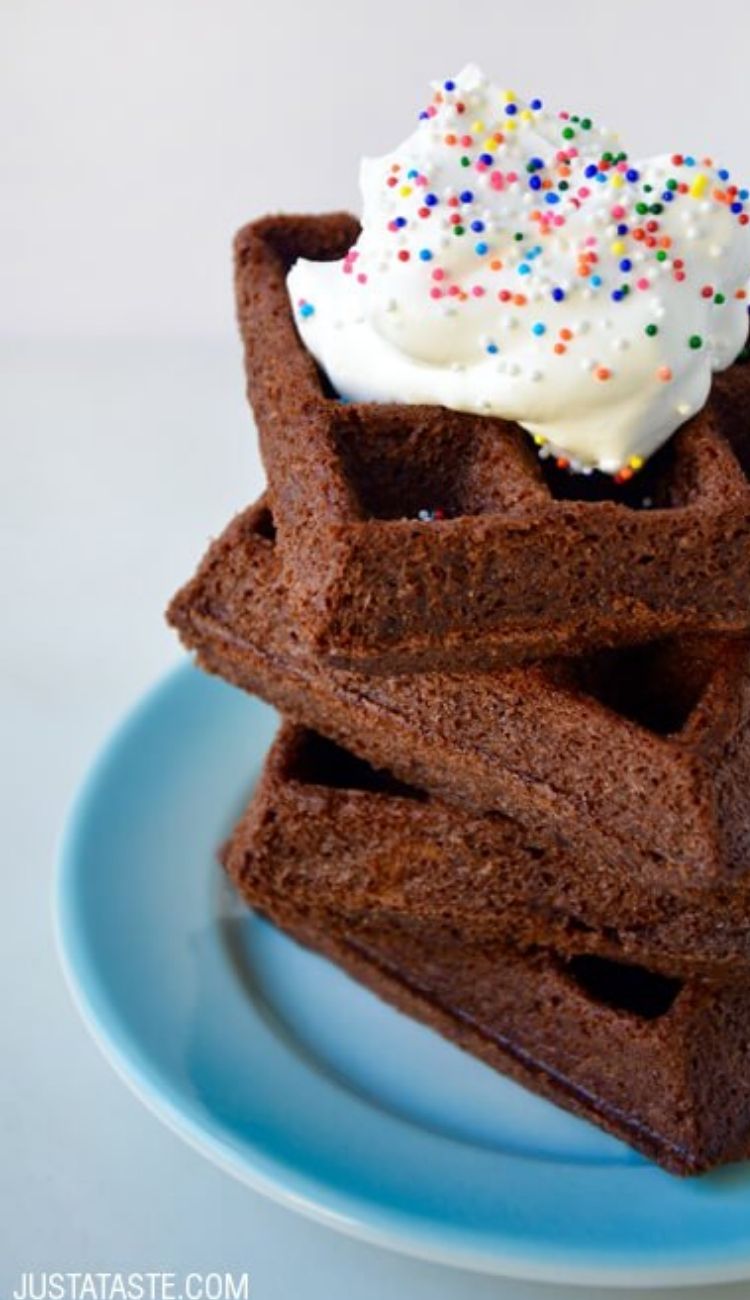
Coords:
pixel 415 537
pixel 326 823
pixel 639 759
pixel 661 1063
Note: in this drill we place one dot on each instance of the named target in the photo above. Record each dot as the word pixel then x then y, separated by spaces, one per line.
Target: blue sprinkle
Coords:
pixel 601 177
pixel 668 196
pixel 466 196
pixel 425 254
pixel 492 348
pixel 306 309
pixel 745 194
pixel 558 295
pixel 552 198
pixel 431 200
pixel 412 173
pixel 539 328
pixel 689 161
pixel 596 281
pixel 400 222
pixel 524 269
pixel 481 248
pixel 617 295
pixel 536 164
pixel 591 170
pixel 622 230
pixel 535 182
pixel 736 207
pixel 536 104
pixel 423 117
pixel 449 85
pixel 477 226
pixel 632 175
pixel 723 174
pixel 626 264
pixel 485 158
pixel 511 109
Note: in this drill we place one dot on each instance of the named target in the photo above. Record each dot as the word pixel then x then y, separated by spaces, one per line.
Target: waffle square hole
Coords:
pixel 317 761
pixel 656 685
pixel 657 486
pixel 634 989
pixel 432 464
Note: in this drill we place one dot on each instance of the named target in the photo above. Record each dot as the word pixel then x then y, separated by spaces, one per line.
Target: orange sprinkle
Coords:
pixel 741 293
pixel 450 138
pixel 559 348
pixel 664 373
pixel 520 300
pixel 602 372
pixel 496 264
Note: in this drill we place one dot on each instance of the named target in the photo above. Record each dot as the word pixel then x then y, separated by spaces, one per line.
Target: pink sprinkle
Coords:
pixel 478 291
pixel 454 289
pixel 436 293
pixel 496 180
pixel 361 278
pixel 480 166
pixel 511 177
pixel 466 141
pixel 584 192
pixel 438 273
pixel 644 283
pixel 618 211
pixel 558 221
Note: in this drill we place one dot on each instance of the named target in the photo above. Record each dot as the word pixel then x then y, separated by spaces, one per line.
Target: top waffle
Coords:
pixel 512 558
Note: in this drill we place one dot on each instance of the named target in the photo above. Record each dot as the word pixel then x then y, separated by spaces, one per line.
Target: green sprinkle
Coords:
pixel 641 209
pixel 695 341
pixel 656 208
pixel 465 162
pixel 518 235
pixel 719 299
pixel 459 230
pixel 586 123
pixel 672 184
pixel 661 256
pixel 568 133
pixel 652 330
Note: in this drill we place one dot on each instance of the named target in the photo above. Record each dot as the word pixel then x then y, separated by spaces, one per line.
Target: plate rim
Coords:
pixel 269 1175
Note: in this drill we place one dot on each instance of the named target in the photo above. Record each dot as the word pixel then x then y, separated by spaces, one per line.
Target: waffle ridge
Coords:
pixel 523 565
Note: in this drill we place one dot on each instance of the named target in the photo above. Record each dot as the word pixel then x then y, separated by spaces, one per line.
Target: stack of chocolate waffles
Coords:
pixel 511 793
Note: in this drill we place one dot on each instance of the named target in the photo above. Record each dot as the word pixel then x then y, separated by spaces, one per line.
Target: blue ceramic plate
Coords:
pixel 291 1077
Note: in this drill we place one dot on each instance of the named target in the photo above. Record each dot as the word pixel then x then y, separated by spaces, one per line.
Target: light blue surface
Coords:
pixel 304 1085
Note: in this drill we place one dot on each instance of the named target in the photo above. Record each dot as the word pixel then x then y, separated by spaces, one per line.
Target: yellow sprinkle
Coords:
pixel 478 126
pixel 509 96
pixel 539 441
pixel 489 145
pixel 636 462
pixel 526 114
pixel 405 191
pixel 511 125
pixel 616 181
pixel 699 186
pixel 618 247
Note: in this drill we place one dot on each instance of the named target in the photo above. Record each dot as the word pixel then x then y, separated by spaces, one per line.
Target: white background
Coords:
pixel 134 138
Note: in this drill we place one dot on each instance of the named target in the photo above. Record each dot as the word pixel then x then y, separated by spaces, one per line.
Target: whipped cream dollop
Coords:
pixel 514 262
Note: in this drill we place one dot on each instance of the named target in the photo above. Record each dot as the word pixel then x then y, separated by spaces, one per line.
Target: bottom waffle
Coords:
pixel 662 1064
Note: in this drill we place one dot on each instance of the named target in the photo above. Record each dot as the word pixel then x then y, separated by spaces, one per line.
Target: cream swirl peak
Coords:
pixel 513 262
